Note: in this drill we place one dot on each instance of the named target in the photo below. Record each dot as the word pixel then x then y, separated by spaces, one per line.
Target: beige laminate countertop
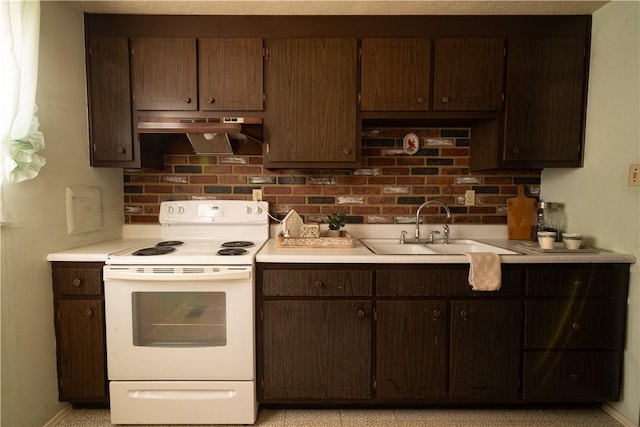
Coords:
pixel 137 236
pixel 97 252
pixel 360 254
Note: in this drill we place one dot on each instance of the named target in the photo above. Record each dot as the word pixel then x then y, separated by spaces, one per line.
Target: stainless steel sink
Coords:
pixel 455 246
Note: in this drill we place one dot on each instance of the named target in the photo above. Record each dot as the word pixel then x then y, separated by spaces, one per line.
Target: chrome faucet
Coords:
pixel 446 227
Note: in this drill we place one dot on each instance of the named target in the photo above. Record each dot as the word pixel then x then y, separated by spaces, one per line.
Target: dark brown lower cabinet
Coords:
pixel 485 349
pixel 80 333
pixel 411 349
pixel 417 334
pixel 81 364
pixel 574 328
pixel 572 376
pixel 317 349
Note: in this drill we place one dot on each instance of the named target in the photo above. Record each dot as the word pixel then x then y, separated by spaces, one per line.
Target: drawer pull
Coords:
pixel 463 314
pixel 435 314
pixel 444 99
pixel 317 284
pixel 360 313
pixel 77 282
pixel 186 100
pixel 574 377
pixel 577 283
pixel 576 326
pixel 88 312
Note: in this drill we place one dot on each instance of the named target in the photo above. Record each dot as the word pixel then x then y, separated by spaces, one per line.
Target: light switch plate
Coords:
pixel 634 175
pixel 84 209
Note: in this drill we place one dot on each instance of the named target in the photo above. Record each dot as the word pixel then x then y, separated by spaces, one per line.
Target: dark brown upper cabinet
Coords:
pixel 110 129
pixel 230 74
pixel 395 74
pixel 544 117
pixel 546 86
pixel 164 73
pixel 468 74
pixel 311 90
pixel 412 71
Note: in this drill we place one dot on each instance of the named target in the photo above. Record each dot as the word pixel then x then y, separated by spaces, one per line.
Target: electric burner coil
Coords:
pixel 155 250
pixel 232 251
pixel 238 244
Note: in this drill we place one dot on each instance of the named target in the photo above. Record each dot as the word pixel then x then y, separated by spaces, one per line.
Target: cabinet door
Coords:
pixel 164 73
pixel 110 129
pixel 545 100
pixel 411 349
pixel 81 349
pixel 311 101
pixel 485 349
pixel 468 74
pixel 395 74
pixel 316 349
pixel 230 74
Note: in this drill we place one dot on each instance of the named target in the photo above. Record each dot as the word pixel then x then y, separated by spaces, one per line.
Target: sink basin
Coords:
pixel 461 246
pixel 454 247
pixel 393 247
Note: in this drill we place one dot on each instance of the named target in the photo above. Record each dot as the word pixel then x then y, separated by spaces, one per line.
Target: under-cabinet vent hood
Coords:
pixel 207 135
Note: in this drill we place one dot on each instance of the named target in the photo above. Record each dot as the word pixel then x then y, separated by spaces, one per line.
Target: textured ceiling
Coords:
pixel 340 7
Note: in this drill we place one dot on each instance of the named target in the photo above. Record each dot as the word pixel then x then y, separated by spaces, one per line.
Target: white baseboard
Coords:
pixel 618 416
pixel 60 415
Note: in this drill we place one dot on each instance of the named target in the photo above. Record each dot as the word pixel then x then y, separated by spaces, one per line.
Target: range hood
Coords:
pixel 207 135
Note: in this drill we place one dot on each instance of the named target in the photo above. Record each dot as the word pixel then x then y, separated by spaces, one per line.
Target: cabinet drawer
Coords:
pixel 571 376
pixel 450 281
pixel 574 324
pixel 77 281
pixel 606 281
pixel 317 282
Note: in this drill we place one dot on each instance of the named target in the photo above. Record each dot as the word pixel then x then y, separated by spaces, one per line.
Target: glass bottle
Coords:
pixel 549 217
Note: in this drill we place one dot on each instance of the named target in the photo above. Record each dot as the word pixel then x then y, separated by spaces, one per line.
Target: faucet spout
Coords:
pixel 427 203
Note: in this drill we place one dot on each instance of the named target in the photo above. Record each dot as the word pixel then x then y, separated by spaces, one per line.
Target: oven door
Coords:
pixel 179 323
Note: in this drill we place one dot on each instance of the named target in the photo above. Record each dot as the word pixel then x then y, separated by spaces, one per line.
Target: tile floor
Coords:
pixel 593 417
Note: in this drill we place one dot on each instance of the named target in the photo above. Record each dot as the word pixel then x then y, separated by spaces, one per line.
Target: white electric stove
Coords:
pixel 180 317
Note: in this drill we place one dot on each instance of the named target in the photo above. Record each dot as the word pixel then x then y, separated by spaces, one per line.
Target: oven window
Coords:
pixel 179 319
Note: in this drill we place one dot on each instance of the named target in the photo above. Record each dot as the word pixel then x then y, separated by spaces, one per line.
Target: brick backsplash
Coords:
pixel 386 189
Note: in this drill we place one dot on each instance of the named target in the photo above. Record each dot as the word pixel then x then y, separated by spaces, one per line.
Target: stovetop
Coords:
pixel 203 232
pixel 188 252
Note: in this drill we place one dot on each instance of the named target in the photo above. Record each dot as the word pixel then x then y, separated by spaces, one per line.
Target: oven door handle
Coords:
pixel 174 274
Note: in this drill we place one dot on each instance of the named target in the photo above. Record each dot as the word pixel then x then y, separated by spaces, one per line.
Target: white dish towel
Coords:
pixel 484 271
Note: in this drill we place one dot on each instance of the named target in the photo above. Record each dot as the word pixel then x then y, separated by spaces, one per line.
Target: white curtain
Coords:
pixel 20 138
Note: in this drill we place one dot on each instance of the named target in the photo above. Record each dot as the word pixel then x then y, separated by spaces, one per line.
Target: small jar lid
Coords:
pixel 549 205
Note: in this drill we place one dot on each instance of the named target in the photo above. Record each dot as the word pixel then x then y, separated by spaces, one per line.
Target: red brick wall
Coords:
pixel 388 188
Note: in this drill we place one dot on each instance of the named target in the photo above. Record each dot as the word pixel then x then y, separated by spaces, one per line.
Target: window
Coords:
pixel 20 138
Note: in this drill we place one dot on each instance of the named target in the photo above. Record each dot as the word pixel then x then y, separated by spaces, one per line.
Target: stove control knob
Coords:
pixel 170 210
pixel 249 210
pixel 259 211
pixel 180 209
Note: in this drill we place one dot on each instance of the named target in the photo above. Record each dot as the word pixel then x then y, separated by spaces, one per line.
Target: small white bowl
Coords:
pixel 572 241
pixel 547 239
